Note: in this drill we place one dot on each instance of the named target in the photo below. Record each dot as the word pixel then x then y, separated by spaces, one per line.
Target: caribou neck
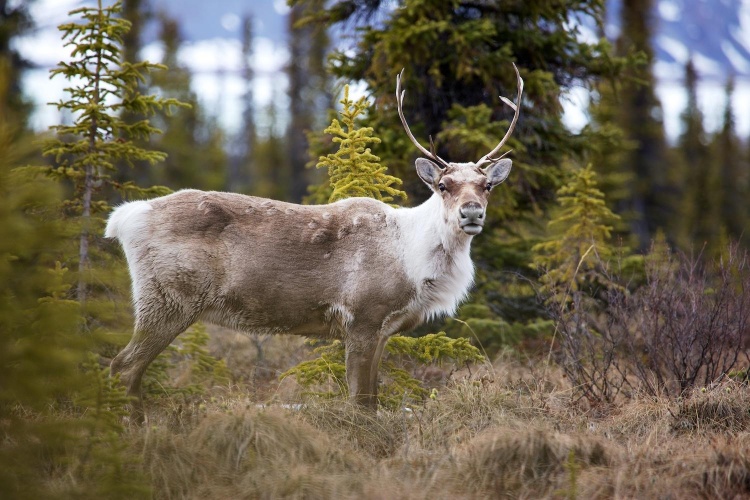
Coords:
pixel 427 231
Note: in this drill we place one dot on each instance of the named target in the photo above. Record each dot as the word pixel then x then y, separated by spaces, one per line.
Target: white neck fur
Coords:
pixel 436 256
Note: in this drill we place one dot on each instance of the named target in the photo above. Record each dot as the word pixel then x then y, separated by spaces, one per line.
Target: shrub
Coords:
pixel 690 325
pixel 686 327
pixel 326 375
pixel 186 367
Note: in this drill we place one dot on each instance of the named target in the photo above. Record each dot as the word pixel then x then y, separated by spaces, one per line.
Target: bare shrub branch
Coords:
pixel 691 325
pixel 687 326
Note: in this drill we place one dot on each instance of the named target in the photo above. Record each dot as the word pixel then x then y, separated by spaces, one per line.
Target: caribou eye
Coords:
pixel 441 187
pixel 488 187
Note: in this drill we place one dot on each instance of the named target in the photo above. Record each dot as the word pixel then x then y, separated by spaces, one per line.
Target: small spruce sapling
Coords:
pixel 353 170
pixel 573 257
pixel 573 264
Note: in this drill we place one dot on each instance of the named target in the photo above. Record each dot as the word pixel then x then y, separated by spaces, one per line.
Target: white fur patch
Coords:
pixel 340 319
pixel 466 174
pixel 436 258
pixel 129 224
pixel 127 220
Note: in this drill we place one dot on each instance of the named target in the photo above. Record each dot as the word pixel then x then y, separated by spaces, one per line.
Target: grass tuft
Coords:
pixel 527 463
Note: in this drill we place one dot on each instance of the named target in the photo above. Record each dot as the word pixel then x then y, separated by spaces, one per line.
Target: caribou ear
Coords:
pixel 498 171
pixel 429 172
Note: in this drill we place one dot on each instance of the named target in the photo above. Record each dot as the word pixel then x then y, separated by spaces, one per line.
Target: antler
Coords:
pixel 488 158
pixel 400 100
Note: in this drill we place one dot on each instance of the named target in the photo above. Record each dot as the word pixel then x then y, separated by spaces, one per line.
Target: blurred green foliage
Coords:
pixel 59 410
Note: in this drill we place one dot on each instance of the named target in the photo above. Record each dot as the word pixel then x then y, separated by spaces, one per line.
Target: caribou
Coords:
pixel 357 270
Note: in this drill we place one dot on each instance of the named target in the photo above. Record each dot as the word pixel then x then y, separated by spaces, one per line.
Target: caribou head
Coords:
pixel 463 187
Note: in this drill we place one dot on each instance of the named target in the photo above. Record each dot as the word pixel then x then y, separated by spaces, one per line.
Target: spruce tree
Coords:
pixel 652 200
pixel 192 141
pixel 15 20
pixel 610 155
pixel 103 87
pixel 270 157
pixel 733 172
pixel 699 218
pixel 459 53
pixel 309 97
pixel 138 13
pixel 240 174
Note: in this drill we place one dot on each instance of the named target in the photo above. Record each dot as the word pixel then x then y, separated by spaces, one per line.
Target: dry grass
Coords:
pixel 257 361
pixel 509 432
pixel 724 408
pixel 528 462
pixel 245 454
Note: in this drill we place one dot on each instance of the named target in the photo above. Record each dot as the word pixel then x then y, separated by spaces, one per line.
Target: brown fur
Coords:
pixel 263 266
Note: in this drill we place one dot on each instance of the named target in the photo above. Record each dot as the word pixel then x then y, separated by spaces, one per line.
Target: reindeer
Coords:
pixel 356 270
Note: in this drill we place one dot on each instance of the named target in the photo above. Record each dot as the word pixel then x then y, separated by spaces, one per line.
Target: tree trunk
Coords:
pixel 83 249
pixel 88 184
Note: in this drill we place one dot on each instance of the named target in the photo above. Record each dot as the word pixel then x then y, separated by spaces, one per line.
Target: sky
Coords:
pixel 213 52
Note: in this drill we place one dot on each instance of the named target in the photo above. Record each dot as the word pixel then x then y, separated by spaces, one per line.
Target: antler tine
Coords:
pixel 517 108
pixel 493 160
pixel 400 102
pixel 432 147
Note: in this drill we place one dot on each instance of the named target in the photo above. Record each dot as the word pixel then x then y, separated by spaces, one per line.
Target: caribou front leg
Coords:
pixel 361 369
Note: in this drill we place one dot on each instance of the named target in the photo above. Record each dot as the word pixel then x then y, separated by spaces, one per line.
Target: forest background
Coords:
pixel 611 304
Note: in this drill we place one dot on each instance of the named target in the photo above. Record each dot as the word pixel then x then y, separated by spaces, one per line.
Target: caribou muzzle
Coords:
pixel 471 218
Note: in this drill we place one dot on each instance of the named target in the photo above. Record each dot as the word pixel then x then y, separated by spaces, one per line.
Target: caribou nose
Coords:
pixel 471 218
pixel 471 213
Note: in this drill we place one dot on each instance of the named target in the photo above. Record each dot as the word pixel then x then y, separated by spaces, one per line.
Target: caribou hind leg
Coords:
pixel 158 323
pixel 131 363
